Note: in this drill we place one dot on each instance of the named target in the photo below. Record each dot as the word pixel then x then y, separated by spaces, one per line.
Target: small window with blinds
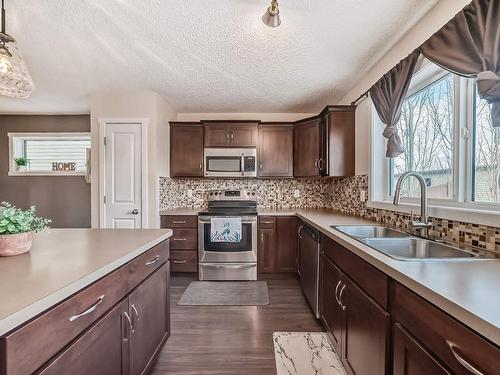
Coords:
pixel 49 153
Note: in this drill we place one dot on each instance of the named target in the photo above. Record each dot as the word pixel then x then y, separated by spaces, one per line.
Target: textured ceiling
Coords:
pixel 202 55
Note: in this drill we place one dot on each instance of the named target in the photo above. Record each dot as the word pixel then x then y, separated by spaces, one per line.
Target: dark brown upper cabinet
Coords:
pixel 186 150
pixel 231 133
pixel 339 122
pixel 309 148
pixel 275 157
pixel 324 144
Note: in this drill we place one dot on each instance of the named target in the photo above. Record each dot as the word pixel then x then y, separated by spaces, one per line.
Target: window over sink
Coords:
pixel 49 153
pixel 448 137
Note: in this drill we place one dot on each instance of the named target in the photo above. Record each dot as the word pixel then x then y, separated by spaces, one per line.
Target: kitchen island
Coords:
pixel 85 298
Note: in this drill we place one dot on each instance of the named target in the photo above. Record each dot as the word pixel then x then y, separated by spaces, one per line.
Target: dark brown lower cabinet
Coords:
pixel 277 246
pixel 366 336
pixel 150 321
pixel 126 339
pixel 411 358
pixel 101 350
pixel 357 325
pixel 332 315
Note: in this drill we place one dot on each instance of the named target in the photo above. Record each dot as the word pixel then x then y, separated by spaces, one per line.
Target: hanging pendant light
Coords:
pixel 15 79
pixel 272 16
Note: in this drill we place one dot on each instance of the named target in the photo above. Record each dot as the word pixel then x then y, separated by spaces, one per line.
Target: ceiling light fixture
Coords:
pixel 15 79
pixel 272 16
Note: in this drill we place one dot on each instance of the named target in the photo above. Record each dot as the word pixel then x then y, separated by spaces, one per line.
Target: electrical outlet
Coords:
pixel 296 194
pixel 190 193
pixel 362 195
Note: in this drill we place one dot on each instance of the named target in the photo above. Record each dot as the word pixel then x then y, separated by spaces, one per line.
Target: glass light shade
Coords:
pixel 15 79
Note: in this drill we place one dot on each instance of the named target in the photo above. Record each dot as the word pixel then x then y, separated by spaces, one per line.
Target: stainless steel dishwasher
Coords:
pixel 309 265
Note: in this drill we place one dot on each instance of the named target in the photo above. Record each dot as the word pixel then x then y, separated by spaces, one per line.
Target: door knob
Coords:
pixel 135 211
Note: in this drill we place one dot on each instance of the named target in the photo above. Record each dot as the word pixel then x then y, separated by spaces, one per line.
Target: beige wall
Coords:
pixel 428 25
pixel 64 199
pixel 140 104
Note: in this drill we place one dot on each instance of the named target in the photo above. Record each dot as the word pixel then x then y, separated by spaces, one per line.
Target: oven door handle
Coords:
pixel 235 266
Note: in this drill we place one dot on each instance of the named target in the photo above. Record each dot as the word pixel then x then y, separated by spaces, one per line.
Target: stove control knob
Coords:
pixel 253 193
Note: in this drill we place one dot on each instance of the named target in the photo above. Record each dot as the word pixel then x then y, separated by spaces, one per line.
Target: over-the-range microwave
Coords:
pixel 230 162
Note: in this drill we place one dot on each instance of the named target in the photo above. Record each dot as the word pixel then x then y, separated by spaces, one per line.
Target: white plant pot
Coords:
pixel 22 168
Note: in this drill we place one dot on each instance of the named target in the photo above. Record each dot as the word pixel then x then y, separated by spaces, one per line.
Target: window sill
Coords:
pixel 462 214
pixel 33 173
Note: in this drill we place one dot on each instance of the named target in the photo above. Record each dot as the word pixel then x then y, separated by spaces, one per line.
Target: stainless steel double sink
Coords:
pixel 403 246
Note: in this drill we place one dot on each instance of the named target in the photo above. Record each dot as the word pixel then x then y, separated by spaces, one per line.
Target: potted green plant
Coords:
pixel 22 163
pixel 17 228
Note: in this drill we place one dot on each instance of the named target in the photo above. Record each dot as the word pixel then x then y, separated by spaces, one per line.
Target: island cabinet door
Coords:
pixel 411 358
pixel 103 349
pixel 332 315
pixel 366 334
pixel 148 306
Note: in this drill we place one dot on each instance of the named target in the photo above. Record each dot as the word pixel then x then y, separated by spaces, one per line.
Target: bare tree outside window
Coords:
pixel 426 130
pixel 486 169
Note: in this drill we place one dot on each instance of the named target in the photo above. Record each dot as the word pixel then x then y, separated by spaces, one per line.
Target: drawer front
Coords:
pixel 184 261
pixel 179 221
pixel 31 346
pixel 267 222
pixel 370 279
pixel 455 345
pixel 184 239
pixel 144 265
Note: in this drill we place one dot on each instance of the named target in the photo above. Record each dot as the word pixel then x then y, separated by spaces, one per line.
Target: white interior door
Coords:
pixel 123 176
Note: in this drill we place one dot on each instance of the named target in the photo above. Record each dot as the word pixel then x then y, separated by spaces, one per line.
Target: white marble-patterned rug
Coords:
pixel 304 353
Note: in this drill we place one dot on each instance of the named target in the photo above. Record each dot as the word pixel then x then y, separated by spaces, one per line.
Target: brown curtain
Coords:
pixel 388 95
pixel 469 45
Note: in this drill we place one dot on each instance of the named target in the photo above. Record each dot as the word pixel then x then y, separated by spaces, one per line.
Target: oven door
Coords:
pixel 227 252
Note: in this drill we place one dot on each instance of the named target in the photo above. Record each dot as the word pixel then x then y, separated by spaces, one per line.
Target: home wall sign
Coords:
pixel 63 166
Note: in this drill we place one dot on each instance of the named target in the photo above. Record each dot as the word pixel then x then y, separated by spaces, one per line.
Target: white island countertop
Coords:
pixel 62 262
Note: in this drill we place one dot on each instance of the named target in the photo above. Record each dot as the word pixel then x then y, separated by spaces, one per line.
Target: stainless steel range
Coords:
pixel 229 260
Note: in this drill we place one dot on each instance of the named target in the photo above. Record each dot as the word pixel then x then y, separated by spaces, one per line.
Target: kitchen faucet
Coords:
pixel 423 225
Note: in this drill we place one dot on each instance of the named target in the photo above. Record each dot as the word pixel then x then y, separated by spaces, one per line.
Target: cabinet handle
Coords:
pixel 300 231
pixel 260 166
pixel 227 136
pixel 179 222
pixel 262 238
pixel 90 310
pixel 340 297
pixel 461 360
pixel 336 292
pixel 155 259
pixel 316 163
pixel 320 164
pixel 179 239
pixel 201 166
pixel 180 261
pixel 135 318
pixel 232 137
pixel 267 222
pixel 129 324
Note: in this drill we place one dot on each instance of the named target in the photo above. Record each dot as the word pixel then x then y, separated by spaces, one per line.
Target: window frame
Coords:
pixel 461 202
pixel 16 149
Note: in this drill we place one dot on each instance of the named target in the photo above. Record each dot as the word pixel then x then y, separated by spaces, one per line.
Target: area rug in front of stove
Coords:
pixel 225 293
pixel 304 353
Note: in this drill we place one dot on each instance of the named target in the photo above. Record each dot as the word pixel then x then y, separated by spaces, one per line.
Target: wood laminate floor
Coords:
pixel 232 339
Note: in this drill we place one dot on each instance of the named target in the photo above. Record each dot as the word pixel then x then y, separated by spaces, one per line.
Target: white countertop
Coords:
pixel 467 290
pixel 62 262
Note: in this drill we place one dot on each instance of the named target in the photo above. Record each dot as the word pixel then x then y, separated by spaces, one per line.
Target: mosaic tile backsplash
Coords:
pixel 341 194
